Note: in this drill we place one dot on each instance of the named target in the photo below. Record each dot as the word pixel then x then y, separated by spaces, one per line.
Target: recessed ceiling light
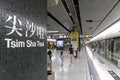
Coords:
pixel 89 20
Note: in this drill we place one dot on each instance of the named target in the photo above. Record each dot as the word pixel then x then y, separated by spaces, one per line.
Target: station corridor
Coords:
pixel 28 28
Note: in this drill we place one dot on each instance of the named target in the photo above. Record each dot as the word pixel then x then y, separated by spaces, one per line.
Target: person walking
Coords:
pixel 93 49
pixel 62 58
pixel 71 55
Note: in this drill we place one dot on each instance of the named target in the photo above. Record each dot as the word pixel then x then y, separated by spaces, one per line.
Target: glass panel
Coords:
pixel 116 50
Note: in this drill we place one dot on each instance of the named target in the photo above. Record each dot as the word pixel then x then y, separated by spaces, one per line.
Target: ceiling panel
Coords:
pixel 94 10
pixel 53 26
pixel 112 17
pixel 72 8
pixel 61 14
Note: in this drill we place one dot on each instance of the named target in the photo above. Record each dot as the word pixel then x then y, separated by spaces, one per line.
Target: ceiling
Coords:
pixel 85 16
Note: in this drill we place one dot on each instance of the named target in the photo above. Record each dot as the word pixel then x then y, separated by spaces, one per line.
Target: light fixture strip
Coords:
pixel 110 32
pixel 52 31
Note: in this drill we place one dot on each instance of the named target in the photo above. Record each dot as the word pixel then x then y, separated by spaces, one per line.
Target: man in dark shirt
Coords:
pixel 71 55
pixel 49 56
pixel 71 49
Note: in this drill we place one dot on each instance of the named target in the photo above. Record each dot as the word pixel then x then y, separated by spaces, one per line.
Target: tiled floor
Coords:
pixel 80 71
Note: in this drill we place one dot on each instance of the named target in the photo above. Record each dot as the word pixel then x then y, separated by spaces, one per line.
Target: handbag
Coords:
pixel 74 53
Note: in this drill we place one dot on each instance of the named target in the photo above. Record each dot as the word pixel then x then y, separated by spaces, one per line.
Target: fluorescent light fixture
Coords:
pixel 67 36
pixel 53 40
pixel 112 31
pixel 48 37
pixel 58 34
pixel 52 31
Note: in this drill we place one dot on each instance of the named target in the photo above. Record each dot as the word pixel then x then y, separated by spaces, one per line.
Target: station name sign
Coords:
pixel 23 29
pixel 28 43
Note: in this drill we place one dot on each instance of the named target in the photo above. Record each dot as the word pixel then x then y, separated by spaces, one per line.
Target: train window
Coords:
pixel 117 45
pixel 116 51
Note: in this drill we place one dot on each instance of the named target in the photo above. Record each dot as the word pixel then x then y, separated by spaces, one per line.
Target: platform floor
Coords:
pixel 80 69
pixel 105 69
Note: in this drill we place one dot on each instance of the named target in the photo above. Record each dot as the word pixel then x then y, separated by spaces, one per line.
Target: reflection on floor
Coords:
pixel 80 69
